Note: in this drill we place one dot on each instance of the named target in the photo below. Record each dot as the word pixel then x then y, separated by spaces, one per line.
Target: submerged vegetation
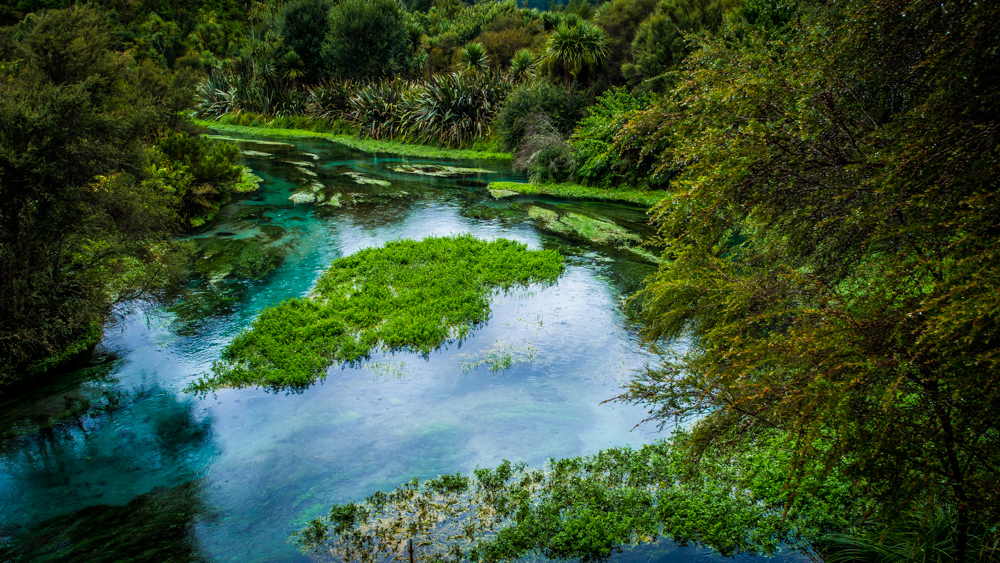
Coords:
pixel 406 295
pixel 584 508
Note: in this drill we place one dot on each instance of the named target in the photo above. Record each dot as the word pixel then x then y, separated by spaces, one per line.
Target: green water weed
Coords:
pixel 406 295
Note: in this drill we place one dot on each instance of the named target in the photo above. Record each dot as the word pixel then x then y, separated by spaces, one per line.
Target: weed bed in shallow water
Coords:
pixel 405 295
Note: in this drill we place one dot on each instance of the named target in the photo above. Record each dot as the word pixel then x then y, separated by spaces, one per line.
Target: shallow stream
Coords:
pixel 116 448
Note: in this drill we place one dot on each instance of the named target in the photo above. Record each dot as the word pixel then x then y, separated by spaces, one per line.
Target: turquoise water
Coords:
pixel 117 447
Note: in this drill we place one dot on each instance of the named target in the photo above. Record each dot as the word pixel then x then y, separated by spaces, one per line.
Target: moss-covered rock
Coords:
pixel 575 225
pixel 437 170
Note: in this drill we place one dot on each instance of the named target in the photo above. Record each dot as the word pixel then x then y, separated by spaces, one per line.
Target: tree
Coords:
pixel 303 25
pixel 620 19
pixel 573 51
pixel 832 254
pixel 367 39
pixel 661 41
pixel 76 222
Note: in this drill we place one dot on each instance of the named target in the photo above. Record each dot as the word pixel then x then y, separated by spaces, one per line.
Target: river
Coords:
pixel 116 447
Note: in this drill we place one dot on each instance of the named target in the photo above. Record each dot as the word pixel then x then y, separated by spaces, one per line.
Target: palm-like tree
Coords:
pixel 293 67
pixel 475 58
pixel 523 65
pixel 573 50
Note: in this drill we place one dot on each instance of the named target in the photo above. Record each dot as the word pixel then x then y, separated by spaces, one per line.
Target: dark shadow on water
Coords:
pixel 156 526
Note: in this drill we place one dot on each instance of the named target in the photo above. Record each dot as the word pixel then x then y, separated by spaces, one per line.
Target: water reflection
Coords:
pixel 244 468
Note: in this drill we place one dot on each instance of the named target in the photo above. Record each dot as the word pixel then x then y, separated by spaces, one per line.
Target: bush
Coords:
pixel 382 108
pixel 544 154
pixel 562 108
pixel 507 35
pixel 599 158
pixel 457 108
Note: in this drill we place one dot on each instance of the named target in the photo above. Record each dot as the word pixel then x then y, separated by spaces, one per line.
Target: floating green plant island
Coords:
pixel 406 295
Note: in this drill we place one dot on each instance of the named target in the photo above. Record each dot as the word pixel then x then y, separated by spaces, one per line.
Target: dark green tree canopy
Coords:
pixel 303 27
pixel 367 39
pixel 833 256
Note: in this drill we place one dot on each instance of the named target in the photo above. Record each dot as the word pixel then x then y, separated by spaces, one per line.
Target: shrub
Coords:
pixel 330 99
pixel 660 44
pixel 455 109
pixel 381 108
pixel 544 154
pixel 561 107
pixel 599 158
pixel 507 35
pixel 620 19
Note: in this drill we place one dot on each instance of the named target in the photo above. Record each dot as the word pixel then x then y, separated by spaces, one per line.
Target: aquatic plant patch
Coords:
pixel 623 194
pixel 438 170
pixel 406 295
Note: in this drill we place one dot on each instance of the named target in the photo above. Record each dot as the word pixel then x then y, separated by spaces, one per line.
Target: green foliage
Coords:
pixel 599 157
pixel 544 155
pixel 834 257
pixel 455 109
pixel 574 52
pixel 508 35
pixel 473 19
pixel 523 66
pixel 367 39
pixel 625 194
pixel 303 25
pixel 529 101
pixel 369 146
pixel 661 41
pixel 475 58
pixel 330 99
pixel 78 225
pixel 587 507
pixel 200 175
pixel 620 19
pixel 406 295
pixel 381 107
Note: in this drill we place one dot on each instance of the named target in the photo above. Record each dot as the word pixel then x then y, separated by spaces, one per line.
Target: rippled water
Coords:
pixel 118 446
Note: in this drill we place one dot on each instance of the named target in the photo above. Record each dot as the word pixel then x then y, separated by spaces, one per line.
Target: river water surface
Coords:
pixel 118 448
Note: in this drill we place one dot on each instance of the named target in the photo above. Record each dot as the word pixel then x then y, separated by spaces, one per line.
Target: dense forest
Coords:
pixel 827 178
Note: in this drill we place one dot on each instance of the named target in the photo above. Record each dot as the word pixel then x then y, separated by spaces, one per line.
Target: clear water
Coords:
pixel 250 467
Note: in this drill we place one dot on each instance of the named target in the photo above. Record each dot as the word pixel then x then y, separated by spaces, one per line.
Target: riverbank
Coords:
pixel 369 146
pixel 627 195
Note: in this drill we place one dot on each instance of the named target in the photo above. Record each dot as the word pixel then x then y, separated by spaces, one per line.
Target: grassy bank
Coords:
pixel 365 145
pixel 642 197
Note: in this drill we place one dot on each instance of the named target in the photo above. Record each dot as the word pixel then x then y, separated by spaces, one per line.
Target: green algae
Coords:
pixel 219 258
pixel 360 178
pixel 437 170
pixel 198 303
pixel 579 226
pixel 501 193
pixel 501 356
pixel 578 191
pixel 406 295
